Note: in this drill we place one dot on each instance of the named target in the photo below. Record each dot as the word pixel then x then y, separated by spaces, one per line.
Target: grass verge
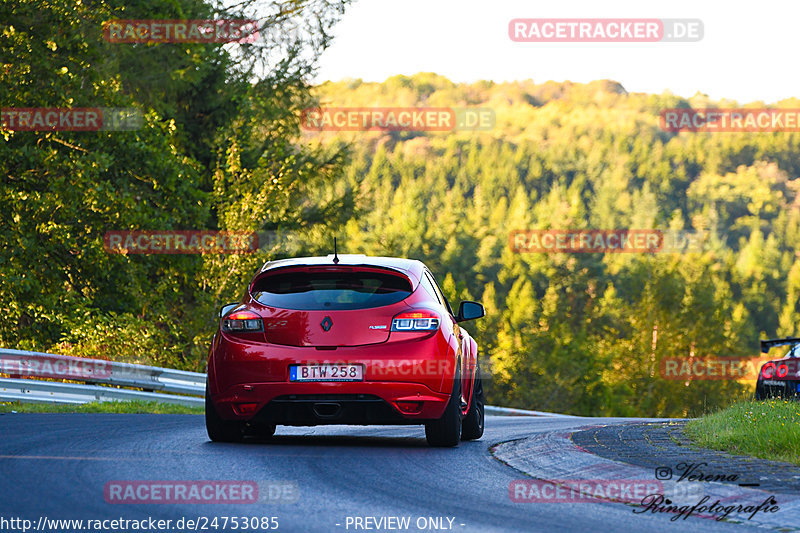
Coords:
pixel 102 407
pixel 768 429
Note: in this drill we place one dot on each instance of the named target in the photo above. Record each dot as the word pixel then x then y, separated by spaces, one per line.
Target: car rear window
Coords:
pixel 323 291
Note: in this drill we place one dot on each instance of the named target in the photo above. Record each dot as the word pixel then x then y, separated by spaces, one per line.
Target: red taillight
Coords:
pixel 417 314
pixel 246 408
pixel 242 321
pixel 416 321
pixel 410 407
pixel 780 370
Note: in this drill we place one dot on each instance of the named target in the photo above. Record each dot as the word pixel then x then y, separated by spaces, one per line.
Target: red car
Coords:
pixel 344 339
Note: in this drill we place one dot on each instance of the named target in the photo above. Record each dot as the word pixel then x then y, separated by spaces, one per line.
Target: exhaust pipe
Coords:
pixel 327 409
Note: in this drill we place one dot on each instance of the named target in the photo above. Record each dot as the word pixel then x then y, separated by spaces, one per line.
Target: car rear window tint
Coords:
pixel 324 291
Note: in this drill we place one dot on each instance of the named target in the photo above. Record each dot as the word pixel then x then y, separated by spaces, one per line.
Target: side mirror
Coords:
pixel 227 309
pixel 469 311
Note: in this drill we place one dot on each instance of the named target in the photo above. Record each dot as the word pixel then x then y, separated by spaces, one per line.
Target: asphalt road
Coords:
pixel 57 466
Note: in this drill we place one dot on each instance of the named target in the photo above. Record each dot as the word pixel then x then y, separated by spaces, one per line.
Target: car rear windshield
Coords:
pixel 323 291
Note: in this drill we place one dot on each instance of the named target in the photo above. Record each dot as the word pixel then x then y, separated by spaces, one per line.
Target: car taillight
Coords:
pixel 242 321
pixel 780 370
pixel 415 321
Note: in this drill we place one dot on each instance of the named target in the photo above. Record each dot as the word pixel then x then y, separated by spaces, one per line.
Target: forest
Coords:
pixel 221 147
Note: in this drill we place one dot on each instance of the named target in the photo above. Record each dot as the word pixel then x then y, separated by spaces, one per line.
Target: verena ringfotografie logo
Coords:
pixel 180 242
pixel 718 509
pixel 200 492
pixel 710 368
pixel 605 241
pixel 730 120
pixel 397 119
pixel 181 31
pixel 604 30
pixel 74 119
pixel 582 490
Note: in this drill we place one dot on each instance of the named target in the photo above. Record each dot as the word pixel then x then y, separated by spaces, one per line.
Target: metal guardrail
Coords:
pixel 509 411
pixel 18 364
pixel 32 391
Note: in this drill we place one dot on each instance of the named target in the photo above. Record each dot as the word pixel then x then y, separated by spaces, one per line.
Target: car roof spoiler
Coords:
pixel 766 345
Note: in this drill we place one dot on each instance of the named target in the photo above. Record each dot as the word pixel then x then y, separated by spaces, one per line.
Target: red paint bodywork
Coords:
pixel 251 368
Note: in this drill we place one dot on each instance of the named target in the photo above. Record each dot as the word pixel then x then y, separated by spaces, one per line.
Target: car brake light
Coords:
pixel 780 371
pixel 415 321
pixel 410 407
pixel 246 408
pixel 242 321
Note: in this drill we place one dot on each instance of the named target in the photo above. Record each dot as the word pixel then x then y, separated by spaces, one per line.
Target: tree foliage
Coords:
pixel 219 148
pixel 584 333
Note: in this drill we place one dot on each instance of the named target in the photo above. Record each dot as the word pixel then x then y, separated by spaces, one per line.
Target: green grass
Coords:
pixel 768 429
pixel 102 407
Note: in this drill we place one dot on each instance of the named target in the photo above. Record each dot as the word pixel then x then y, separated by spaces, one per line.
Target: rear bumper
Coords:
pixel 310 404
pixel 428 361
pixel 405 381
pixel 777 388
pixel 312 410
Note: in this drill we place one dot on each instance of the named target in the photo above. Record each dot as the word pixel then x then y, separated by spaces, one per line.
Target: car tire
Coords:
pixel 446 431
pixel 472 426
pixel 220 430
pixel 261 431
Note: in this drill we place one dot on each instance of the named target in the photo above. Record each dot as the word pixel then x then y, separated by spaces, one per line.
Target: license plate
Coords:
pixel 326 373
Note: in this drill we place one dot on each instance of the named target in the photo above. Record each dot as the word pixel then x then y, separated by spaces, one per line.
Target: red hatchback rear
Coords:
pixel 344 340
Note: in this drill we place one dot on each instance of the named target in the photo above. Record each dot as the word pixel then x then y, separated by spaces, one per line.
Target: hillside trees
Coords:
pixel 585 333
pixel 218 149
